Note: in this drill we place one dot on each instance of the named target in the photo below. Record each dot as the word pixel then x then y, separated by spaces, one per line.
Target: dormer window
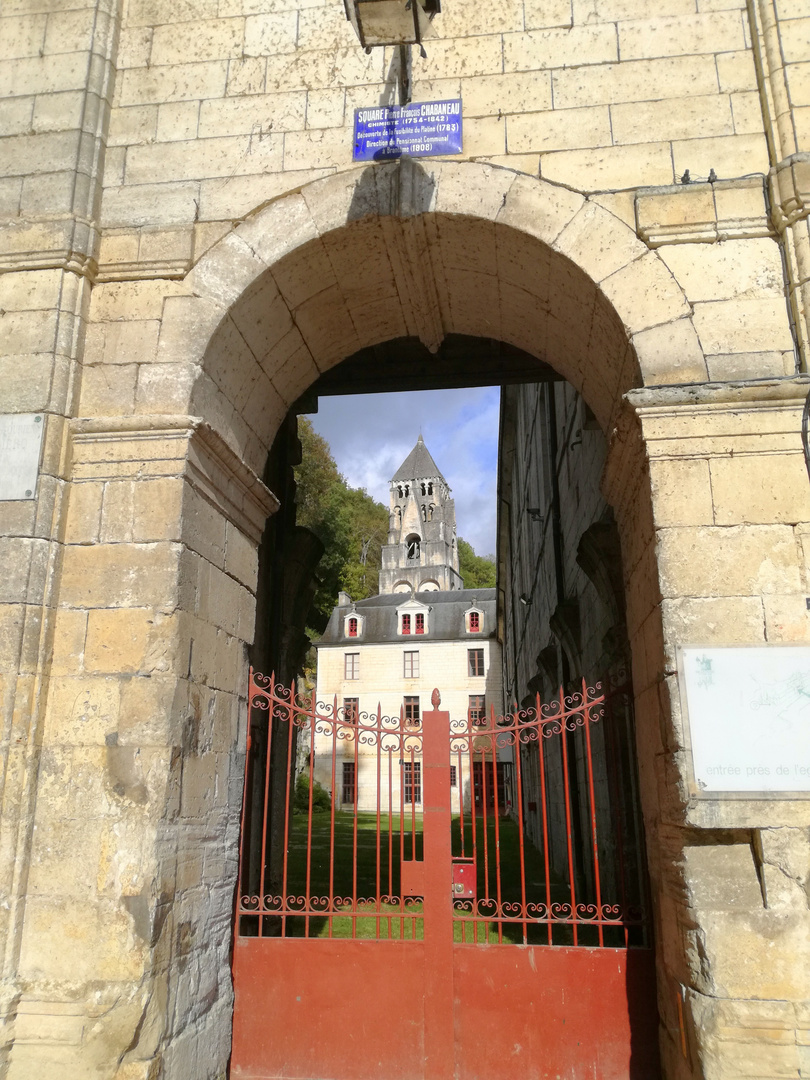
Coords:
pixel 352 627
pixel 474 621
pixel 406 624
pixel 413 619
pixel 420 623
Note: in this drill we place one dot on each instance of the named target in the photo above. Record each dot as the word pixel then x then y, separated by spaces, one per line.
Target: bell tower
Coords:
pixel 422 552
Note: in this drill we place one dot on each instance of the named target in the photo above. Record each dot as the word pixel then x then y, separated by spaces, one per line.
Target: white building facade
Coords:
pixel 389 652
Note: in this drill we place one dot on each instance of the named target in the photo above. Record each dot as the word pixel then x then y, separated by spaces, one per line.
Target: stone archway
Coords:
pixel 157 590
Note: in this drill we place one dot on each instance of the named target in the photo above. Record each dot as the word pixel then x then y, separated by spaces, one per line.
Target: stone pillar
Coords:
pixel 128 919
pixel 713 500
pixel 58 68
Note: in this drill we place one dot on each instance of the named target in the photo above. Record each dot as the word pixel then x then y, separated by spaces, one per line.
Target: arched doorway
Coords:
pixel 389 253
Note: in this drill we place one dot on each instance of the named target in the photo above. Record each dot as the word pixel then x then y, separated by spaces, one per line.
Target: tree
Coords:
pixel 477 571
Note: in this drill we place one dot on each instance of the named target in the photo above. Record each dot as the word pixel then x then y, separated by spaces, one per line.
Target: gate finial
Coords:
pixel 436 698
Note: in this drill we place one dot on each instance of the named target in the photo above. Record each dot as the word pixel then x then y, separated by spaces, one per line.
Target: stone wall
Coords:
pixel 184 247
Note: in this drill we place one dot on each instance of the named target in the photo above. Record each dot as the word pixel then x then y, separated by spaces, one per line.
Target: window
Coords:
pixel 411 665
pixel 475 662
pixel 414 546
pixel 412 781
pixel 351 709
pixel 352 627
pixel 477 709
pixel 349 791
pixel 351 665
pixel 420 623
pixel 412 711
pixel 475 622
pixel 453 777
pixel 406 624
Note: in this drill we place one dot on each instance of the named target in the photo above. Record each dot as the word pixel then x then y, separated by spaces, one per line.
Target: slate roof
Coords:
pixel 418 465
pixel 445 621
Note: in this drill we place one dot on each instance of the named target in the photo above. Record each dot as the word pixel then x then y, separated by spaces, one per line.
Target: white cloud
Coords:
pixel 371 435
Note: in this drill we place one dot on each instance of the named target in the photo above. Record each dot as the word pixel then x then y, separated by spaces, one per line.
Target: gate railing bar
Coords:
pixel 568 828
pixel 311 759
pixel 541 735
pixel 390 835
pixel 354 829
pixel 331 821
pixel 496 813
pixel 519 773
pixel 285 861
pixel 266 803
pixel 592 798
pixel 377 848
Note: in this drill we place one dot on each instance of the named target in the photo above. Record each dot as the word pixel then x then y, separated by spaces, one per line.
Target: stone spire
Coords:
pixel 421 553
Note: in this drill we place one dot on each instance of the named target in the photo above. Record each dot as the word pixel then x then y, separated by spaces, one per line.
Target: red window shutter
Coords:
pixel 420 624
pixel 406 624
pixel 475 622
pixel 352 627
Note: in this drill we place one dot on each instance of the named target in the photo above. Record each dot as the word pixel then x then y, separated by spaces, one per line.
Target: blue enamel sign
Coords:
pixel 422 129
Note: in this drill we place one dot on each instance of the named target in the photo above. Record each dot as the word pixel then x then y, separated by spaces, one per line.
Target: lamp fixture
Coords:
pixel 391 22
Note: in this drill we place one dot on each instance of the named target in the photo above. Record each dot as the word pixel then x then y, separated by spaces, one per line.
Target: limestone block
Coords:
pixel 25 564
pixel 237 197
pixel 176 121
pixel 682 492
pixel 108 391
pixel 541 210
pixel 164 388
pixel 241 556
pixel 733 561
pixel 72 31
pixel 743 325
pixel 679 118
pixel 598 243
pixel 479 56
pixel 796 47
pixel 559 48
pixel 267 35
pixel 787 618
pixel 134 47
pixel 499 17
pixel 324 28
pixel 204 39
pixel 517 92
pixel 81 711
pixel 610 10
pixel 736 72
pixel 645 294
pixel 562 129
pixel 153 12
pixel 247 75
pixel 331 147
pixel 485 135
pixel 140 300
pixel 154 707
pixel 146 204
pixel 731 268
pixel 737 155
pixel 130 641
pixel 539 14
pixel 22 35
pixel 710 620
pixel 84 513
pixel 136 124
pixel 179 82
pixel 708 32
pixel 324 68
pixel 610 167
pixel 634 80
pixel 120 575
pixel 40 75
pixel 203 528
pixel 60 112
pixel 198 158
pixel 747 110
pixel 116 954
pixel 760 489
pixel 325 108
pixel 16 115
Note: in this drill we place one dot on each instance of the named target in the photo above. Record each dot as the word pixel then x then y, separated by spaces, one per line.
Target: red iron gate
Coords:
pixel 441 900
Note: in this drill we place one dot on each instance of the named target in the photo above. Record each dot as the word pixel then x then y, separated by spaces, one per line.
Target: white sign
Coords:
pixel 748 718
pixel 20 446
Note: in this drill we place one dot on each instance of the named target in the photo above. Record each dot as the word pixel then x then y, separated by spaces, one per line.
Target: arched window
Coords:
pixel 407 490
pixel 397 517
pixel 399 491
pixel 414 546
pixel 352 627
pixel 431 508
pixel 474 622
pixel 424 488
pixel 430 488
pixel 424 513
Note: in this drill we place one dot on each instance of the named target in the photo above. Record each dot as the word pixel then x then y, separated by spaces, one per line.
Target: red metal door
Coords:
pixel 419 933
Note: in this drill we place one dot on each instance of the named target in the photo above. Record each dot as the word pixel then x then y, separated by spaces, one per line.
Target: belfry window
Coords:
pixel 414 546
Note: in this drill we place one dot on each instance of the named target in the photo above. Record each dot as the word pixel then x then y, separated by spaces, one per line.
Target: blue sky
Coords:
pixel 372 434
